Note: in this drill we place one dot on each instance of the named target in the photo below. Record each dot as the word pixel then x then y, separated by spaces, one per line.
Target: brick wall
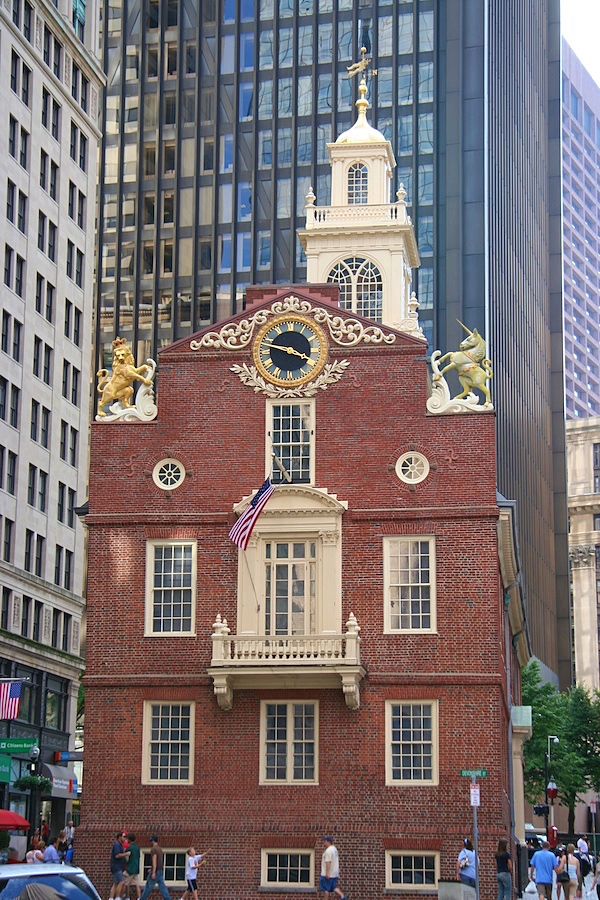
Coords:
pixel 216 427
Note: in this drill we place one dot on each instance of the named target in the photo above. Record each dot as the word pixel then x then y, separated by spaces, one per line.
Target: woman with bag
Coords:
pixel 465 864
pixel 504 870
pixel 567 873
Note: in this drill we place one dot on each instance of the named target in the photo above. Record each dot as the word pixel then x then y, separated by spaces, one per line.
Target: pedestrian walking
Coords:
pixel 504 869
pixel 543 863
pixel 194 860
pixel 132 866
pixel 569 863
pixel 330 869
pixel 156 875
pixel 118 857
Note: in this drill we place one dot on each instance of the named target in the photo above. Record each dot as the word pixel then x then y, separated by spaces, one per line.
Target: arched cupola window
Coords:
pixel 358 179
pixel 361 286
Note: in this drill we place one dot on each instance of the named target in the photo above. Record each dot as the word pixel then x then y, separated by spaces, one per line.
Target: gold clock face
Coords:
pixel 290 350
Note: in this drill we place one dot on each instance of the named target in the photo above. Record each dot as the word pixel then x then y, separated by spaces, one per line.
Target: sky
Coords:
pixel 580 21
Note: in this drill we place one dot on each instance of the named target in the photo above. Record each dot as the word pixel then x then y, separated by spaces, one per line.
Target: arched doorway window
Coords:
pixel 358 177
pixel 361 286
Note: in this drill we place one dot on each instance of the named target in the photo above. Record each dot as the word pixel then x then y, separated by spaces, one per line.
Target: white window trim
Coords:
pixel 285 886
pixel 146 862
pixel 428 888
pixel 150 545
pixel 394 782
pixel 146 740
pixel 262 742
pixel 387 612
pixel 270 465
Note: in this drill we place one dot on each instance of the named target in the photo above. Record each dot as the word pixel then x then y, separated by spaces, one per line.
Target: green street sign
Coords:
pixel 17 745
pixel 5 764
pixel 470 773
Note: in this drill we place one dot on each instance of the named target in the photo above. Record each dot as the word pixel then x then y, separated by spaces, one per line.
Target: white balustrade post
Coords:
pixel 352 640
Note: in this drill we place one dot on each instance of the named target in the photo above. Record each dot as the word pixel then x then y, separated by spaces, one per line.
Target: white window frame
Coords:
pixel 146 864
pixel 289 779
pixel 271 467
pixel 308 577
pixel 287 885
pixel 412 886
pixel 412 782
pixel 147 741
pixel 389 542
pixel 150 547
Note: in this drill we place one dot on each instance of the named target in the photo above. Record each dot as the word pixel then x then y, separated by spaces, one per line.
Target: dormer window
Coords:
pixel 361 286
pixel 358 177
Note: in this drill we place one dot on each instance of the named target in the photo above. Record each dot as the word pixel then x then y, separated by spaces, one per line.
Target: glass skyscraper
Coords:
pixel 217 117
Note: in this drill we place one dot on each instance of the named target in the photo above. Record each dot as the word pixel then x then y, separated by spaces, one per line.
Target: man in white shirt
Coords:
pixel 330 869
pixel 582 845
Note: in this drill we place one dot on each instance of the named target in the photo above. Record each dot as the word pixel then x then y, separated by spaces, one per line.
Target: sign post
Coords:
pixel 474 774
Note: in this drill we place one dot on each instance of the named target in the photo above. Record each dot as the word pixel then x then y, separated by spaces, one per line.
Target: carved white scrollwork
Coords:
pixel 249 376
pixel 346 332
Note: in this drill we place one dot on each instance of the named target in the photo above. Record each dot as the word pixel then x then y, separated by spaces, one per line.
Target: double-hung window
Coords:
pixel 409 583
pixel 171 588
pixel 291 438
pixel 168 739
pixel 411 742
pixel 289 742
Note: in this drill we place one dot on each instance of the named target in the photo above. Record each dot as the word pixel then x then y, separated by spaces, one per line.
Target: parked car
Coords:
pixel 49 881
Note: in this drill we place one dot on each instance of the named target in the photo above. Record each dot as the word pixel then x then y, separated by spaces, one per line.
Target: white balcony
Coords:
pixel 262 661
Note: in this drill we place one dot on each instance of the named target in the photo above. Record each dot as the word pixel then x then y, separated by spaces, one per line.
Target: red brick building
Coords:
pixel 337 675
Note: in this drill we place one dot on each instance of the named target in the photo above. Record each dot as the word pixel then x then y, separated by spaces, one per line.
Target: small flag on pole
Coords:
pixel 10 699
pixel 241 531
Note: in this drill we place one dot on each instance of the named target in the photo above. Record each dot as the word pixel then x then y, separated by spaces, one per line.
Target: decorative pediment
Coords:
pixel 343 331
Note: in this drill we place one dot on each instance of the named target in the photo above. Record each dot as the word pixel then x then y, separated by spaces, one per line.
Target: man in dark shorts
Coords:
pixel 330 869
pixel 118 855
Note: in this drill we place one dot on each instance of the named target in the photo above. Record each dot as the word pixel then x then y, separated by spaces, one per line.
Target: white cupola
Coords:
pixel 362 241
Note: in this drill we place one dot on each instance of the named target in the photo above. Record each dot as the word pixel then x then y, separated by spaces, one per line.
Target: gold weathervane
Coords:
pixel 361 65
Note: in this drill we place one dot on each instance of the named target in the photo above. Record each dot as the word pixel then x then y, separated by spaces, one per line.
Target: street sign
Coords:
pixel 593 807
pixel 473 773
pixel 17 745
pixel 67 755
pixel 475 795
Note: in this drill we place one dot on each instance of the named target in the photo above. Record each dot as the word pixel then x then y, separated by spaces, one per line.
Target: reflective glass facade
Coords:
pixel 217 119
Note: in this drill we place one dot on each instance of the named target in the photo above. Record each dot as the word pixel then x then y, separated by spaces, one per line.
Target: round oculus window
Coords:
pixel 411 468
pixel 168 474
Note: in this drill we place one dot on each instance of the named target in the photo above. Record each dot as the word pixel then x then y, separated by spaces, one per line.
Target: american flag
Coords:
pixel 10 699
pixel 241 531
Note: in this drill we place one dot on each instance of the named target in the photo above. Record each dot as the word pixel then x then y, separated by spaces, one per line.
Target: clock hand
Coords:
pixel 289 350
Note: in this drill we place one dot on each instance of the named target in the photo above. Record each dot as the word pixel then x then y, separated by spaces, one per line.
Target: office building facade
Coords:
pixel 581 205
pixel 217 118
pixel 49 113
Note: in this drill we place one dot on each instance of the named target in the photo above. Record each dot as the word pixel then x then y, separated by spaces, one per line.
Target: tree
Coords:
pixel 574 716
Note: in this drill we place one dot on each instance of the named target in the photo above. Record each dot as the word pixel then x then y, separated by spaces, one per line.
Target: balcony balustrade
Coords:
pixel 299 661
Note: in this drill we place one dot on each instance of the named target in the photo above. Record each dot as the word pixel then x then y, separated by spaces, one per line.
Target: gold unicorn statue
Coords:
pixel 470 364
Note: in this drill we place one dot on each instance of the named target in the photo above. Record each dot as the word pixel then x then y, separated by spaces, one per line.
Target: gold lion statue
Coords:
pixel 119 386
